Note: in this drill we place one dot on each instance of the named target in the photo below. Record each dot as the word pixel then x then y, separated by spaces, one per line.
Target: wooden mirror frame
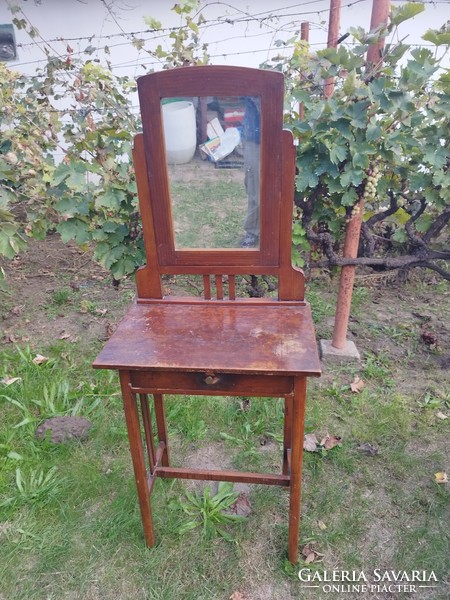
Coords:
pixel 213 81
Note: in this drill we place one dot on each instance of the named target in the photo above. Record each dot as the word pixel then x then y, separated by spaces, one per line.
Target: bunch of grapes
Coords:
pixel 135 227
pixel 370 190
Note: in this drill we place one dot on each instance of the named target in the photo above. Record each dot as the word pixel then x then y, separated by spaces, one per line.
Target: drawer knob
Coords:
pixel 211 379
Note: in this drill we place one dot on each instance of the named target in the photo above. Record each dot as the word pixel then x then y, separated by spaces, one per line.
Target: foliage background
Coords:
pixel 382 139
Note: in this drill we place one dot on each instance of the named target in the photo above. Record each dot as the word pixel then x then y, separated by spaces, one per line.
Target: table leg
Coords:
pixel 298 429
pixel 147 421
pixel 137 455
pixel 161 425
pixel 287 435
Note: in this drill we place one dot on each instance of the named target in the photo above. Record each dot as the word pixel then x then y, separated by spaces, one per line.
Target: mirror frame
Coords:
pixel 213 81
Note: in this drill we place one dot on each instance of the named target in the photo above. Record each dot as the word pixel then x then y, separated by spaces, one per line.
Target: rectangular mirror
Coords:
pixel 213 155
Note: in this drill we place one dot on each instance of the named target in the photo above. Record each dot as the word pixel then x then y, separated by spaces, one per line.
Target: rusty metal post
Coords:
pixel 347 278
pixel 304 35
pixel 333 36
pixel 380 14
pixel 304 31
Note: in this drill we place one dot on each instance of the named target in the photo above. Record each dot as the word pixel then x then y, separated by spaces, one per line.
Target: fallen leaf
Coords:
pixel 101 311
pixel 357 385
pixel 368 449
pixel 238 596
pixel 310 442
pixel 109 329
pixel 241 506
pixel 39 359
pixel 10 380
pixel 64 335
pixel 441 477
pixel 321 525
pixel 330 441
pixel 310 554
pixel 440 415
pixel 306 550
pixel 429 337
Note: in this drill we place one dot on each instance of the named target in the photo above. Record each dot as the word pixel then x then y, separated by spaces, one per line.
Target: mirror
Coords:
pixel 213 161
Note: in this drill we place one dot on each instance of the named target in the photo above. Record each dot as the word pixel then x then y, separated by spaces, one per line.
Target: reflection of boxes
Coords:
pixel 222 146
pixel 214 129
pixel 208 148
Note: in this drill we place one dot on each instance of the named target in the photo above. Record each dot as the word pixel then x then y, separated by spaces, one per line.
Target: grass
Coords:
pixel 69 518
pixel 223 193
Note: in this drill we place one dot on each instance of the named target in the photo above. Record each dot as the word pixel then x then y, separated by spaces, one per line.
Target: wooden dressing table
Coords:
pixel 218 344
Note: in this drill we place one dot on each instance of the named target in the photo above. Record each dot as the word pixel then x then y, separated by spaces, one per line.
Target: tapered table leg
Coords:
pixel 161 426
pixel 137 456
pixel 298 428
pixel 287 435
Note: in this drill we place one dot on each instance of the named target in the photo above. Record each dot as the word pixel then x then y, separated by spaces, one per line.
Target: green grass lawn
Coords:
pixel 69 518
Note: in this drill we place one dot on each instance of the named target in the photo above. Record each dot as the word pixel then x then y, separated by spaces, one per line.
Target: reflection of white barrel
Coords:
pixel 179 131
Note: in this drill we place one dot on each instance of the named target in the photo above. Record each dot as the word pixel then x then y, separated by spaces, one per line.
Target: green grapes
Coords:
pixel 370 190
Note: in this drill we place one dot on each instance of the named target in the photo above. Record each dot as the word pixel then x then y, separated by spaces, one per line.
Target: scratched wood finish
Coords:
pixel 147 421
pixel 212 475
pixel 137 456
pixel 215 345
pixel 225 384
pixel 224 338
pixel 298 429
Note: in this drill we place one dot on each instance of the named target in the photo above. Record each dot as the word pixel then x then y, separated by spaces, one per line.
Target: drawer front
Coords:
pixel 209 383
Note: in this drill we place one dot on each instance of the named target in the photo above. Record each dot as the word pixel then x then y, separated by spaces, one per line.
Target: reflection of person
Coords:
pixel 251 137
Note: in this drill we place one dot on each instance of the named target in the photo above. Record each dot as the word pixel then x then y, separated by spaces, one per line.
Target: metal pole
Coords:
pixel 333 36
pixel 304 35
pixel 380 14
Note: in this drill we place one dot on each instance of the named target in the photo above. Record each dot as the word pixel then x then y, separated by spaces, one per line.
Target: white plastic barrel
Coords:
pixel 179 131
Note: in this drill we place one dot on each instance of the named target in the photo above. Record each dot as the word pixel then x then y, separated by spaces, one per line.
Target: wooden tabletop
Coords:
pixel 224 337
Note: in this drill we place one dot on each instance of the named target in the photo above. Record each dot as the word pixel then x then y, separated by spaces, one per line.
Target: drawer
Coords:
pixel 209 383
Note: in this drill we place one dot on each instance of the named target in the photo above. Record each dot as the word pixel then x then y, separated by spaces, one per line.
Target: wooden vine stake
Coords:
pixel 380 14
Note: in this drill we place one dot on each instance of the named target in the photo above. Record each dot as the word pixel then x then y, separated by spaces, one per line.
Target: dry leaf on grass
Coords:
pixel 321 525
pixel 357 385
pixel 441 477
pixel 109 330
pixel 64 335
pixel 310 554
pixel 10 380
pixel 330 441
pixel 241 506
pixel 39 359
pixel 238 596
pixel 245 404
pixel 429 337
pixel 440 415
pixel 310 442
pixel 368 449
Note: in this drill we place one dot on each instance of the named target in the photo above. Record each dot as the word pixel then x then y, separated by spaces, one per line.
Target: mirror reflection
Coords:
pixel 213 156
